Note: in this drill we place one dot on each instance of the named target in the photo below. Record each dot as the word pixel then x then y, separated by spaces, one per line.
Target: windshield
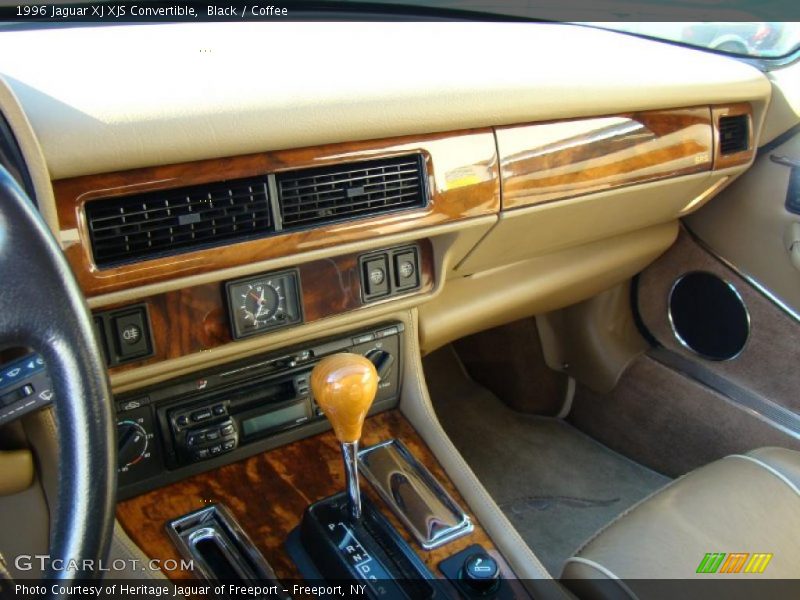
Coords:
pixel 757 39
pixel 746 38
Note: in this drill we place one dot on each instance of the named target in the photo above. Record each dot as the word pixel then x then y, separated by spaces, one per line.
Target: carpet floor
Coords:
pixel 556 485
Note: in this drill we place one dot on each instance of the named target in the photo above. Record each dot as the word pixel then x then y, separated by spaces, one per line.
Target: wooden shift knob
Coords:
pixel 344 387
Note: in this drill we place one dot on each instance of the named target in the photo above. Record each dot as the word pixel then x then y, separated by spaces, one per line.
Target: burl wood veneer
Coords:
pixel 194 319
pixel 544 162
pixel 463 179
pixel 268 493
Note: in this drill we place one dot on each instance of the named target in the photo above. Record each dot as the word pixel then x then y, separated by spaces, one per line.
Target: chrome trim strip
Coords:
pixel 678 336
pixel 776 416
pixel 414 494
pixel 215 523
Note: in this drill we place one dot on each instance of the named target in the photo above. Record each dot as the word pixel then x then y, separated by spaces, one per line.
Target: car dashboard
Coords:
pixel 237 204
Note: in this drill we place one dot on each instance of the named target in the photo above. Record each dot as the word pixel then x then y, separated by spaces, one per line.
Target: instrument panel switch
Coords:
pixel 406 269
pixel 132 334
pixel 375 276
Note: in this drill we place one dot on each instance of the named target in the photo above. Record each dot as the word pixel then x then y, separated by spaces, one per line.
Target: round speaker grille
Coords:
pixel 708 316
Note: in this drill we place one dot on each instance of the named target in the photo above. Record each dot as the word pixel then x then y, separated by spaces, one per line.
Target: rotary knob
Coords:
pixel 382 360
pixel 132 441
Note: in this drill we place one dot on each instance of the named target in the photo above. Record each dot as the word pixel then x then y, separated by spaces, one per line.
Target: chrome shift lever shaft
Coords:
pixel 350 456
pixel 344 387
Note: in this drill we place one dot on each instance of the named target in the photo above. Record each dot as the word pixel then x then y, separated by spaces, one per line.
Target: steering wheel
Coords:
pixel 41 307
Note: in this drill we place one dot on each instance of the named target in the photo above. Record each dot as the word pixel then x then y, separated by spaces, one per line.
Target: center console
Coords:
pixel 227 469
pixel 192 424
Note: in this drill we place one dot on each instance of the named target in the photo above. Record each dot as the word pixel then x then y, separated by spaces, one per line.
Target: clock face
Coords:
pixel 264 303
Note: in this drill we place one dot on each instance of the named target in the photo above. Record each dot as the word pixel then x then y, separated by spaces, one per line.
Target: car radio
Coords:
pixel 254 408
pixel 203 421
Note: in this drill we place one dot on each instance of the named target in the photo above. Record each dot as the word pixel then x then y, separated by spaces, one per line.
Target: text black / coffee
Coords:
pixel 254 10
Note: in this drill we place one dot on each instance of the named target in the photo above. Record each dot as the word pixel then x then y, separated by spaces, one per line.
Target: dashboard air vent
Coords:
pixel 734 133
pixel 322 195
pixel 177 220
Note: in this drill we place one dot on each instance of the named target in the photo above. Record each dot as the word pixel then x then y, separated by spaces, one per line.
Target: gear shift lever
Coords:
pixel 344 387
pixel 334 541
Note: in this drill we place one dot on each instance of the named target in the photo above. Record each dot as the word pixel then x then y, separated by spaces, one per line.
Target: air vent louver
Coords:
pixel 734 132
pixel 180 219
pixel 322 195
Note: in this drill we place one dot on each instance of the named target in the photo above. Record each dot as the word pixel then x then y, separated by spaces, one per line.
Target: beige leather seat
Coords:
pixel 742 504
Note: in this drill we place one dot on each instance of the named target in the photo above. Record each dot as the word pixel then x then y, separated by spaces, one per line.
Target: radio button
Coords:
pixel 227 429
pixel 212 435
pixel 195 438
pixel 386 332
pixel 201 454
pixel 214 450
pixel 201 415
pixel 363 339
pixel 229 445
pixel 219 410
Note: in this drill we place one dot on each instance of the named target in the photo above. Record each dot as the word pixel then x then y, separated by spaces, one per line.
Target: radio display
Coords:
pixel 276 418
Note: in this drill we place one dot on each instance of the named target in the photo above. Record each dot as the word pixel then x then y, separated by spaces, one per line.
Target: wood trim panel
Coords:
pixel 463 179
pixel 739 158
pixel 544 162
pixel 194 319
pixel 268 493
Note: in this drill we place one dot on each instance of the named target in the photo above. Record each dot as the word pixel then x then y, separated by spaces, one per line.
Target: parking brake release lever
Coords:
pixel 344 387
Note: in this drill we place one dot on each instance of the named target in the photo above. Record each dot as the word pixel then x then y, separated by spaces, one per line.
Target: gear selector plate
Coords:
pixel 414 494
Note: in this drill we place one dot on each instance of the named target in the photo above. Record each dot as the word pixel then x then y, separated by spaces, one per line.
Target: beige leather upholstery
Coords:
pixel 742 503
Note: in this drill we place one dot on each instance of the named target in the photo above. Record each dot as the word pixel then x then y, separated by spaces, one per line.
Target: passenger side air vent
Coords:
pixel 177 220
pixel 734 133
pixel 326 194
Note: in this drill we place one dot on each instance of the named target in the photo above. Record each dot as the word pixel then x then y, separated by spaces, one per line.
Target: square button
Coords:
pixel 375 276
pixel 406 269
pixel 131 334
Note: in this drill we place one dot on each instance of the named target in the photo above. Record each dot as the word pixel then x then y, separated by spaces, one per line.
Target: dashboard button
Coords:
pixel 201 415
pixel 363 339
pixel 375 277
pixel 406 270
pixel 386 332
pixel 131 334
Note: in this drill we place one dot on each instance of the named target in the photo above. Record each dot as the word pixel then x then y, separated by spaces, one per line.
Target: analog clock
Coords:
pixel 263 303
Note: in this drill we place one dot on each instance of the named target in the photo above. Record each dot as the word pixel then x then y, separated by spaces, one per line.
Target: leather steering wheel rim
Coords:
pixel 42 307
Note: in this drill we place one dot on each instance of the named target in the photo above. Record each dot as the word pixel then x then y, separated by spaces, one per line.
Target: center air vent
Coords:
pixel 180 219
pixel 322 195
pixel 734 133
